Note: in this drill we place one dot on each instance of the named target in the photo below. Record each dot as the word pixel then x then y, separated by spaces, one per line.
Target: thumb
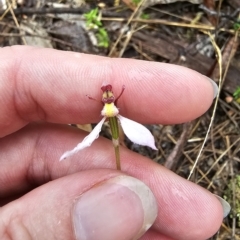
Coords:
pixel 96 204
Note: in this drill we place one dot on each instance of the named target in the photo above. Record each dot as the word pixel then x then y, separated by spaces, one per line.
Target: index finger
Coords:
pixel 51 85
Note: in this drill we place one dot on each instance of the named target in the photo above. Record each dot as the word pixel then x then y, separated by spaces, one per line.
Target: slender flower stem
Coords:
pixel 117 154
pixel 113 121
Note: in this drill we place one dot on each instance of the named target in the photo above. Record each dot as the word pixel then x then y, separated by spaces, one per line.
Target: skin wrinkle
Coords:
pixel 41 113
pixel 17 230
pixel 8 76
pixel 13 226
pixel 6 235
pixel 28 101
pixel 16 65
pixel 17 87
pixel 32 171
pixel 20 174
pixel 3 227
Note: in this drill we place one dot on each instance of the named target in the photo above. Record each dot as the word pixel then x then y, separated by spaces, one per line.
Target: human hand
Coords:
pixel 84 196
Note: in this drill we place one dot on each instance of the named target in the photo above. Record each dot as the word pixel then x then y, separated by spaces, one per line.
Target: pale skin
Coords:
pixel 43 90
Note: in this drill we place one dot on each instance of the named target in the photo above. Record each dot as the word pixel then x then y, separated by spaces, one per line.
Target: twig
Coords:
pixel 176 153
pixel 43 11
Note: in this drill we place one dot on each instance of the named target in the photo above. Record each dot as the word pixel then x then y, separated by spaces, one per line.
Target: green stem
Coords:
pixel 115 139
pixel 117 154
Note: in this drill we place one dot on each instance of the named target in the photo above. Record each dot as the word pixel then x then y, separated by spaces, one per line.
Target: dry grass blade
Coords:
pixel 219 59
pixel 169 23
pixel 227 55
pixel 219 158
pixel 127 24
pixel 15 20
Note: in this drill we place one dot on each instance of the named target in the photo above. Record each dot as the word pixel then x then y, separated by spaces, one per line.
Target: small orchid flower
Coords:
pixel 136 132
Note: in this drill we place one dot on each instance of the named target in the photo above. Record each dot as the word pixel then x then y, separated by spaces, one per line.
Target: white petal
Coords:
pixel 137 133
pixel 86 142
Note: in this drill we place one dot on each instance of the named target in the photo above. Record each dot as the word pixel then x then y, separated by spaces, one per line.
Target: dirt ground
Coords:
pixel 186 33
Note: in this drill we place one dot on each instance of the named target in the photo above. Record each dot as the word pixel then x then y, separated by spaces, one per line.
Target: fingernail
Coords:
pixel 225 205
pixel 119 208
pixel 215 87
